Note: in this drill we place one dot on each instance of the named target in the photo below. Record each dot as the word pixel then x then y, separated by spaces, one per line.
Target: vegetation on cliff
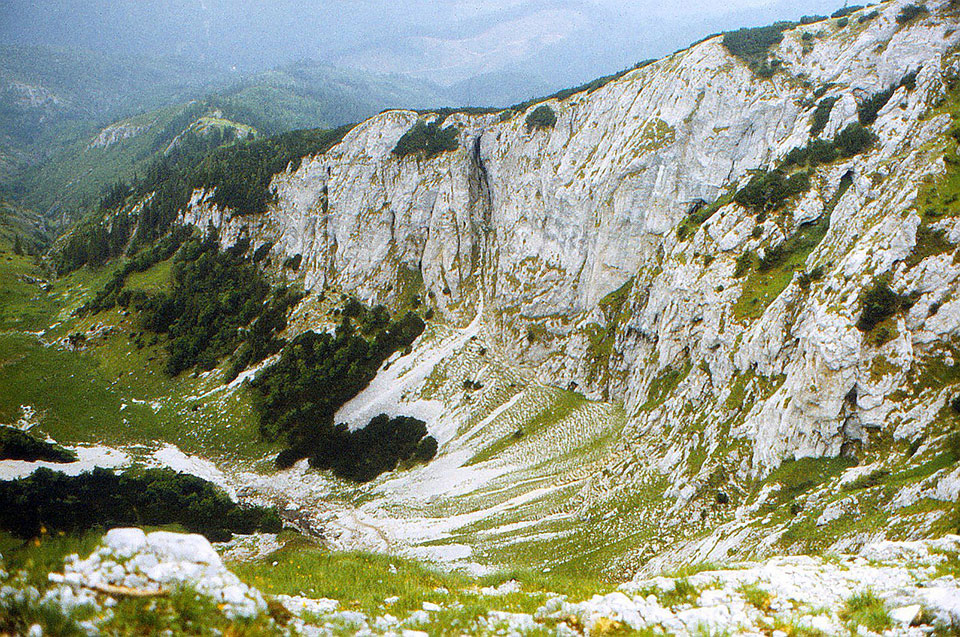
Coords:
pixel 427 140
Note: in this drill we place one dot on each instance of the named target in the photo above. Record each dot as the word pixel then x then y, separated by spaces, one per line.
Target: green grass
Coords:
pixel 74 400
pixel 799 476
pixel 601 338
pixel 699 216
pixel 756 597
pixel 23 305
pixel 867 610
pixel 361 581
pixel 940 197
pixel 933 371
pixel 930 243
pixel 43 555
pixel 78 395
pixel 683 592
pixel 19 614
pixel 689 570
pixel 764 284
pixel 157 278
pixel 182 612
pixel 775 271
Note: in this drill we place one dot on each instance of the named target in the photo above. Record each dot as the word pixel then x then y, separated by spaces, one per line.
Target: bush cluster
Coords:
pixel 910 12
pixel 748 44
pixel 427 140
pixel 744 263
pixel 298 396
pixel 103 499
pixel 752 45
pixel 821 115
pixel 868 109
pixel 112 291
pixel 851 141
pixel 364 454
pixel 769 190
pixel 878 303
pixel 239 173
pixel 846 11
pixel 540 118
pixel 20 445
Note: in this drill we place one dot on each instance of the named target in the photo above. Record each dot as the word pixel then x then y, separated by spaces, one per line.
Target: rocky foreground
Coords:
pixel 891 588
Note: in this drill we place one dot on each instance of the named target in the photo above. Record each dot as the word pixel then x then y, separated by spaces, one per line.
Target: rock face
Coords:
pixel 564 246
pixel 537 227
pixel 154 563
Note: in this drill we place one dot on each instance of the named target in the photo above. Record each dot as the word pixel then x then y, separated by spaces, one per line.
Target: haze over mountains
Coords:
pixel 487 53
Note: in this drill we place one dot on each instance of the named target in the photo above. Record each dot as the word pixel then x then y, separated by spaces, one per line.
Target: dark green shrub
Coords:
pixel 218 300
pixel 21 445
pixel 743 264
pixel 909 80
pixel 379 447
pixel 297 397
pixel 427 140
pixel 749 44
pixel 540 118
pixel 851 141
pixel 868 109
pixel 773 257
pixel 293 263
pixel 806 278
pixel 261 252
pixel 867 17
pixel 842 22
pixel 879 303
pixel 112 291
pixel 812 19
pixel 769 190
pixel 241 173
pixel 910 12
pixel 104 499
pixel 698 213
pixel 752 45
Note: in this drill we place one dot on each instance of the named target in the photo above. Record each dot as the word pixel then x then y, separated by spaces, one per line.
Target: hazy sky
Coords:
pixel 446 41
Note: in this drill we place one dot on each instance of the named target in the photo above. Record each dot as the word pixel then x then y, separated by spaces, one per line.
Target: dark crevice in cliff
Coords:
pixel 480 209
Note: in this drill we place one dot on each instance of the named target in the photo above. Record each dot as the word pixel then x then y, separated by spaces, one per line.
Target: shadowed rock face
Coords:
pixel 565 242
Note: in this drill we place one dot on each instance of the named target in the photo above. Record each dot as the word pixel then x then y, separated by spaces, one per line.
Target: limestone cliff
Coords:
pixel 561 248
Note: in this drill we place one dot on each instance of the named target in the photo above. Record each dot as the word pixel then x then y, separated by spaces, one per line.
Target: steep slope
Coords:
pixel 747 390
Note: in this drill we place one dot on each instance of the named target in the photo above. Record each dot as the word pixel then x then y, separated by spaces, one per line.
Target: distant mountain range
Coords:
pixel 73 122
